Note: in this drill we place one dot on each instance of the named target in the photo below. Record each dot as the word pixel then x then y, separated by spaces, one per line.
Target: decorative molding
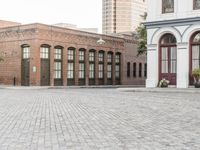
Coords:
pixel 172 22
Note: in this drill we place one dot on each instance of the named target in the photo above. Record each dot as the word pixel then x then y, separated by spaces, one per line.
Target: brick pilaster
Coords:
pixel 64 66
pixel 76 69
pixel 86 67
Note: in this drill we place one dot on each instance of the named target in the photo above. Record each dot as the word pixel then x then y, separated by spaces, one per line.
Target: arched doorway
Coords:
pixel 45 65
pixel 25 65
pixel 194 54
pixel 168 58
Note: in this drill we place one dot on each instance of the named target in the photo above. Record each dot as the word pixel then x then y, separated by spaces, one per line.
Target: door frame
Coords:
pixel 191 44
pixel 59 82
pixel 45 59
pixel 168 46
pixel 27 60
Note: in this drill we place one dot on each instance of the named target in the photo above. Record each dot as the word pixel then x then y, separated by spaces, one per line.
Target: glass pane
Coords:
pixel 44 52
pixel 100 67
pixel 91 68
pixel 109 67
pixel 100 75
pixel 164 66
pixel 196 4
pixel 117 59
pixel 173 66
pixel 195 52
pixel 164 53
pixel 168 6
pixel 70 71
pixel 168 39
pixel 81 55
pixel 117 70
pixel 57 53
pixel 26 52
pixel 109 58
pixel 173 53
pixel 91 56
pixel 101 57
pixel 109 71
pixel 195 64
pixel 70 54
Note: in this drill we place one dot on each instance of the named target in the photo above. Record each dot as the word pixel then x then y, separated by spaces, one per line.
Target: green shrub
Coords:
pixel 196 74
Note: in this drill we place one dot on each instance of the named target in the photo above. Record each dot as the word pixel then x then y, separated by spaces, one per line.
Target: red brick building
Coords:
pixel 38 54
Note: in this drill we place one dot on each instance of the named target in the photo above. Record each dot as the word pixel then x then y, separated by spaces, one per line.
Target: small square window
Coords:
pixel 196 4
pixel 167 6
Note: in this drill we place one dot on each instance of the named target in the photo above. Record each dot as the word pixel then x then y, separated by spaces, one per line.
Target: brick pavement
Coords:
pixel 98 119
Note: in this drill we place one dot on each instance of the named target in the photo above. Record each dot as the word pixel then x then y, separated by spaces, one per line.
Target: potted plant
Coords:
pixel 196 76
pixel 164 83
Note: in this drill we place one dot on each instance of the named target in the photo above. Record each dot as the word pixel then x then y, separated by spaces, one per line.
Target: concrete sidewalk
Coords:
pixel 68 87
pixel 122 88
pixel 161 90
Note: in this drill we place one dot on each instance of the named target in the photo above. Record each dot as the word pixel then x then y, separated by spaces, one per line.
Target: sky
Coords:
pixel 83 13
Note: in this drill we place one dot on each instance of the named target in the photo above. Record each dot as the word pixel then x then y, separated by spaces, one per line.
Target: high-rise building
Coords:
pixel 122 15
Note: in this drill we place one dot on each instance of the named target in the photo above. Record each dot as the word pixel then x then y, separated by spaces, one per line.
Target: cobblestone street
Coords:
pixel 98 119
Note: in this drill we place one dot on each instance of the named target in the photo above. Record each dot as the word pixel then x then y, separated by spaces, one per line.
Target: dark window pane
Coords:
pixel 134 69
pixel 167 6
pixel 140 70
pixel 196 4
pixel 128 69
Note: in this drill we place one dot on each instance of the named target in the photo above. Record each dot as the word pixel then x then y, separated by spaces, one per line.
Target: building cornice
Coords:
pixel 172 22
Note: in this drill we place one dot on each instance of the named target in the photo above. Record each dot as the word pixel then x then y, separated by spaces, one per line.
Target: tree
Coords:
pixel 141 34
pixel 1 59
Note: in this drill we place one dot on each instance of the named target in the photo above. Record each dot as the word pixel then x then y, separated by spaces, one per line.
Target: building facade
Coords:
pixel 43 55
pixel 122 15
pixel 173 28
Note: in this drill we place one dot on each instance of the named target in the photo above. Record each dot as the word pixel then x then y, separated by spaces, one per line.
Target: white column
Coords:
pixel 152 66
pixel 182 65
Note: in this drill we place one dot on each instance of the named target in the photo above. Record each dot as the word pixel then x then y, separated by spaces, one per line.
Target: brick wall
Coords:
pixel 35 35
pixel 130 55
pixel 4 24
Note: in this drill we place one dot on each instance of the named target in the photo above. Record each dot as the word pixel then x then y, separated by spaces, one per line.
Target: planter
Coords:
pixel 197 85
pixel 164 85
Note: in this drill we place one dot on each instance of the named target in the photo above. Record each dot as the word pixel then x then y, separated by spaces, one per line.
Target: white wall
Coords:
pixel 182 9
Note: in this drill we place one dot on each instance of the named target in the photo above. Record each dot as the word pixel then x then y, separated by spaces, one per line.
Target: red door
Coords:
pixel 168 61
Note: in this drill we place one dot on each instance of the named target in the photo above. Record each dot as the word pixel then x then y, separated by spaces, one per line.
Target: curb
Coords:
pixel 66 87
pixel 160 90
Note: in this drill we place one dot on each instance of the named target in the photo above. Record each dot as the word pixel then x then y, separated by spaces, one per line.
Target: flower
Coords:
pixel 164 83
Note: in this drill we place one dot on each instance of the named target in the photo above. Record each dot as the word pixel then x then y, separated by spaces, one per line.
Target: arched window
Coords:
pixel 168 39
pixel 45 65
pixel 195 41
pixel 25 51
pixel 92 56
pixel 82 66
pixel 25 65
pixel 168 57
pixel 71 66
pixel 109 67
pixel 58 51
pixel 117 66
pixel 101 67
